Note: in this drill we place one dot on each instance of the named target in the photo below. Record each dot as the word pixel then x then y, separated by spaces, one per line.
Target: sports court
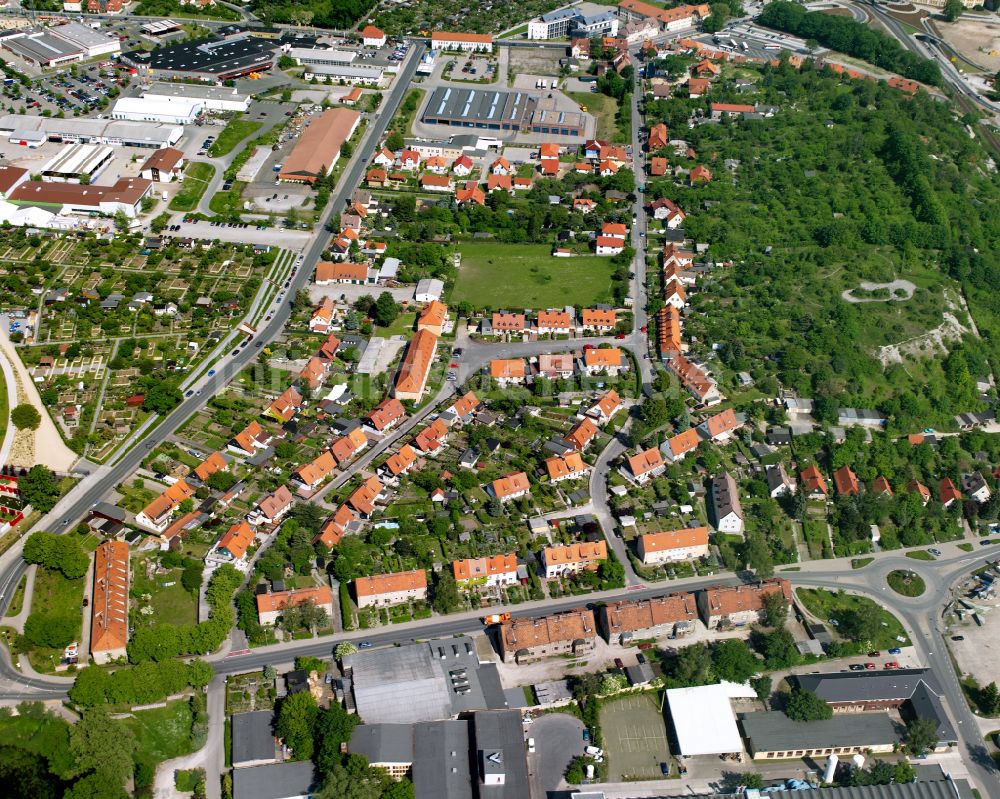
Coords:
pixel 635 738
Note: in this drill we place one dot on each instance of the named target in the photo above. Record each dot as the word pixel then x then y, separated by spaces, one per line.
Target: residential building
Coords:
pixel 846 482
pixel 465 406
pixel 647 618
pixel 372 36
pixel 606 245
pixel 720 427
pixel 512 486
pixel 507 371
pixel 567 467
pixel 671 546
pixel 386 415
pixel 431 438
pixel 916 487
pixel 271 606
pixel 163 166
pixel 109 606
pixel 232 548
pixel 335 527
pixel 947 493
pixel 365 496
pixel 284 408
pixel 382 590
pixel 727 512
pixel 738 605
pixel 645 466
pixel 557 366
pixel 677 447
pixel 607 405
pixel 523 640
pixel 582 434
pixel 322 317
pixel 504 323
pixel 778 481
pixel 157 514
pixel 491 571
pixel 328 272
pixel 598 320
pixel 974 486
pixel 433 317
pixel 554 323
pixel 212 464
pixel 252 438
pixel 348 446
pixel 881 487
pixel 813 483
pixel 605 360
pixel 273 507
pixel 311 475
pixel 416 366
pixel 573 558
pixel 401 462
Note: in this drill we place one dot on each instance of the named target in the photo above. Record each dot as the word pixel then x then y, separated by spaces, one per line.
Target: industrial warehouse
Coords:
pixel 516 112
pixel 33 131
pixel 209 59
pixel 319 147
pixel 60 44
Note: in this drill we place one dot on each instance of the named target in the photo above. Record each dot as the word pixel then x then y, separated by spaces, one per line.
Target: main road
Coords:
pixel 94 487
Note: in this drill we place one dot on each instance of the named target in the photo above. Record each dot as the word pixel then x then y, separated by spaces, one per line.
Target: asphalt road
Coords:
pixel 91 490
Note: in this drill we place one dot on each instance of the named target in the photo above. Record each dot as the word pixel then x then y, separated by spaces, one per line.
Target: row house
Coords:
pixel 284 408
pixel 348 446
pixel 566 467
pixel 157 514
pixel 554 322
pixel 416 366
pixel 738 605
pixel 364 498
pixel 386 415
pixel 607 405
pixel 574 558
pixel 433 317
pixel 643 467
pixel 502 324
pixel 401 462
pixel 603 360
pixel 271 606
pixel 384 590
pixel 557 366
pixel 110 600
pixel 676 448
pixel 727 511
pixel 272 508
pixel 310 476
pixel 598 320
pixel 695 380
pixel 523 640
pixel 672 546
pixel 626 620
pixel 252 438
pixel 335 527
pixel 233 547
pixel 489 572
pixel 511 486
pixel 432 438
pixel 507 371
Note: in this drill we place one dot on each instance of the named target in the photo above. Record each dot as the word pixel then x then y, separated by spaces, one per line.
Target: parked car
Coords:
pixel 958 638
pixel 870 666
pixel 895 651
pixel 857 667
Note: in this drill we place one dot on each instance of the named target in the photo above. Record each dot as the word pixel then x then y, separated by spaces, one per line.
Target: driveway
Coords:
pixel 558 739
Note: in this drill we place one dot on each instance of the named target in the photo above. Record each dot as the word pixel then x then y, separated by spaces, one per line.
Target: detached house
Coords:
pixel 947 493
pixel 567 467
pixel 607 405
pixel 232 548
pixel 582 434
pixel 249 440
pixel 727 512
pixel 386 415
pixel 507 371
pixel 846 482
pixel 310 476
pixel 598 320
pixel 157 514
pixel 607 360
pixel 813 483
pixel 401 462
pixel 553 323
pixel 286 406
pixel 272 508
pixel 719 428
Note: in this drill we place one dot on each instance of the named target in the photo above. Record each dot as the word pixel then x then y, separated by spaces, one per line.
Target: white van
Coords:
pixel 531 744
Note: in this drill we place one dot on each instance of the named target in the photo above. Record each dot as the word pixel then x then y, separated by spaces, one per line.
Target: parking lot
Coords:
pixel 558 739
pixel 635 738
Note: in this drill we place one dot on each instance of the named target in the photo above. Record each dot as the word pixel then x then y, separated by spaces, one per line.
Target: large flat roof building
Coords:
pixel 42 48
pixel 212 98
pixel 151 109
pixel 488 109
pixel 703 718
pixel 318 148
pixel 30 130
pixel 73 198
pixel 208 59
pixel 423 682
pixel 78 161
pixel 774 736
pixel 365 74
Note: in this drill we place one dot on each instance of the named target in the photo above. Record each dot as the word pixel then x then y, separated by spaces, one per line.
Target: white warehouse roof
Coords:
pixel 704 719
pixel 151 108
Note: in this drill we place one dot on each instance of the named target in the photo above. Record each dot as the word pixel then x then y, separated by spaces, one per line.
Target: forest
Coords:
pixel 337 14
pixel 849 181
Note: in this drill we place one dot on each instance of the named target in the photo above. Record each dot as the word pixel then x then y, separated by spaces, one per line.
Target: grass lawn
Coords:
pixel 829 605
pixel 906 583
pixel 56 596
pixel 4 408
pixel 173 605
pixel 162 733
pixel 403 120
pixel 635 738
pixel 403 326
pixel 237 130
pixel 17 602
pixel 920 554
pixel 228 203
pixel 527 276
pixel 605 109
pixel 135 499
pixel 196 179
pixel 860 563
pixel 966 547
